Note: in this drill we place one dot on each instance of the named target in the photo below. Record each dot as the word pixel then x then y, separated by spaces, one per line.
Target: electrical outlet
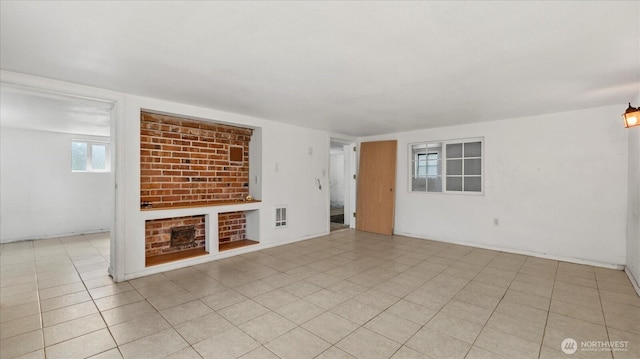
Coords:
pixel 496 222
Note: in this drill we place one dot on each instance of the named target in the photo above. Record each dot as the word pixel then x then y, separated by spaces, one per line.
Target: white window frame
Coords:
pixel 89 167
pixel 413 165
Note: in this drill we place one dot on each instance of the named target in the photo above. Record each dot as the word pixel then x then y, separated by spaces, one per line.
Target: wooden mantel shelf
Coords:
pixel 197 204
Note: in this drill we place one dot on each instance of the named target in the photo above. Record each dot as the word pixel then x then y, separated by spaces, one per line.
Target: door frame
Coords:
pixel 350 159
pixel 116 260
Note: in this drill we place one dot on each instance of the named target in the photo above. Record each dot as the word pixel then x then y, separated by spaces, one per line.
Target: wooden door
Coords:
pixel 375 204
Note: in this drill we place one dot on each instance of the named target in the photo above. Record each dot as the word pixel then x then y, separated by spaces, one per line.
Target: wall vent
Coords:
pixel 281 216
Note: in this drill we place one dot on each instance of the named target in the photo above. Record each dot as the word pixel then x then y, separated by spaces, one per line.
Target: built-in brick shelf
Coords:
pixel 225 246
pixel 161 206
pixel 174 256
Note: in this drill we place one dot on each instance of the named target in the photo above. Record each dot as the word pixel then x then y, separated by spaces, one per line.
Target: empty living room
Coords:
pixel 320 179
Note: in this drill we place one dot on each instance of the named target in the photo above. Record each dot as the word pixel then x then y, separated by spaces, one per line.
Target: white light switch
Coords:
pixel 276 167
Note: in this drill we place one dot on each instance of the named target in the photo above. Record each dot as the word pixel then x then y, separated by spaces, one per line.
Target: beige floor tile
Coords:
pixel 467 311
pixel 127 312
pixel 424 297
pixel 455 327
pixel 275 299
pixel 392 327
pixel 267 327
pixel 110 289
pixel 297 344
pixel 335 353
pixel 187 311
pixel 82 347
pixel 622 316
pixel 631 342
pixel 138 328
pixel 61 290
pixel 479 353
pixel 326 299
pixel 412 311
pixel 477 299
pixel 560 327
pixel 38 354
pixel 377 299
pixel 21 344
pixel 19 326
pixel 436 344
pixel 620 298
pixel 64 301
pixel 13 300
pixel 615 287
pixel 330 327
pixel 364 343
pixel 347 288
pixel 258 353
pixel 223 299
pixel 118 300
pixel 300 311
pixel 506 344
pixel 522 312
pixel 71 312
pixel 520 328
pixel 527 299
pixel 575 280
pixel 539 290
pixel 203 327
pixel 156 345
pixel 243 311
pixel 73 328
pixel 255 288
pixel 19 311
pixel 589 313
pixel 407 353
pixel 356 311
pixel 109 354
pixel 232 343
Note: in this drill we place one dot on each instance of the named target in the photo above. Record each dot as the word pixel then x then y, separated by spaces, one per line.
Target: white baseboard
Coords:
pixel 517 251
pixel 632 279
pixel 57 235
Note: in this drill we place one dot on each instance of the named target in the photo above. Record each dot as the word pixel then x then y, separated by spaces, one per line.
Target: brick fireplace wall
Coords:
pixel 158 234
pixel 184 161
pixel 231 226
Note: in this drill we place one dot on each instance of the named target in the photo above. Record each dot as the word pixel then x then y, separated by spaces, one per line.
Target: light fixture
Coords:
pixel 631 117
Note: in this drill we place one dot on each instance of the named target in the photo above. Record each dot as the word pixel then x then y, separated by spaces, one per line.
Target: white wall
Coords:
pixel 633 207
pixel 290 161
pixel 41 197
pixel 336 172
pixel 557 183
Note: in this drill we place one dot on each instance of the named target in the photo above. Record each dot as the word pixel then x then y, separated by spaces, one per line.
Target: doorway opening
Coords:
pixel 57 170
pixel 341 184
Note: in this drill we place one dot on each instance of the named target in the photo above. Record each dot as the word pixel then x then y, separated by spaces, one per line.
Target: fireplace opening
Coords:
pixel 170 239
pixel 183 236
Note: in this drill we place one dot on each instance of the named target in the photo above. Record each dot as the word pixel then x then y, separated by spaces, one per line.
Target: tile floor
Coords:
pixel 345 295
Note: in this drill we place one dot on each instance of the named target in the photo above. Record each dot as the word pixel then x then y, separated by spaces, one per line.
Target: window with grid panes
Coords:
pixel 453 166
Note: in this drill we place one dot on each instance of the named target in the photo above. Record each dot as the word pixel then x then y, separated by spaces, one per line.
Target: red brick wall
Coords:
pixel 231 226
pixel 185 161
pixel 158 234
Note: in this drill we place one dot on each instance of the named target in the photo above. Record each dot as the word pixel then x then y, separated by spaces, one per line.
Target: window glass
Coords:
pixel 78 156
pixel 458 161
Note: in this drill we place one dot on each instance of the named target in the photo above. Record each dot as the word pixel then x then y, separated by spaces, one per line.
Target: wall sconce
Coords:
pixel 631 117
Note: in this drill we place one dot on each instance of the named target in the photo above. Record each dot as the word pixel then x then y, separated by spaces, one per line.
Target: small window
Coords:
pixel 281 216
pixel 447 166
pixel 89 156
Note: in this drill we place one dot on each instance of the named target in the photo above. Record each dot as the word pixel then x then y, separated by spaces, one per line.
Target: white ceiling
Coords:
pixel 25 108
pixel 357 68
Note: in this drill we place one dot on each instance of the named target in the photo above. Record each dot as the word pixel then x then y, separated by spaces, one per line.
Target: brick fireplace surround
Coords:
pixel 185 163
